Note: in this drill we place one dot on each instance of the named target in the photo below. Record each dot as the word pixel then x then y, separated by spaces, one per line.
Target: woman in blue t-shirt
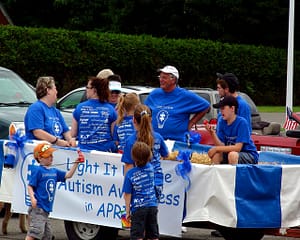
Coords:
pixel 43 121
pixel 93 118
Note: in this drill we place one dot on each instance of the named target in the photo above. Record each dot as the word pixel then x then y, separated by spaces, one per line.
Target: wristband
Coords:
pixel 55 141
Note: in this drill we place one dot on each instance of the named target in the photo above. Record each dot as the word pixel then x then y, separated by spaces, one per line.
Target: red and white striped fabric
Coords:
pixel 290 124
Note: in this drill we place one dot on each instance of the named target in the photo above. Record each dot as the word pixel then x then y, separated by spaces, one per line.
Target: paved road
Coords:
pixel 273 117
pixel 58 229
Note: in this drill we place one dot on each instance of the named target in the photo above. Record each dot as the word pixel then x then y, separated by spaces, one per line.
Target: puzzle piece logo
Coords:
pixel 161 118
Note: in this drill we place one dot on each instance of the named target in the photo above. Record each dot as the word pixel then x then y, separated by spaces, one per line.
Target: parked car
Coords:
pixel 213 97
pixel 15 97
pixel 68 102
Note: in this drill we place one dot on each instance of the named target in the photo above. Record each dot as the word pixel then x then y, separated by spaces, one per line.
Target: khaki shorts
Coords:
pixel 39 224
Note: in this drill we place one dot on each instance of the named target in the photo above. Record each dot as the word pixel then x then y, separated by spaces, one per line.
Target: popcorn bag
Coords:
pixel 198 152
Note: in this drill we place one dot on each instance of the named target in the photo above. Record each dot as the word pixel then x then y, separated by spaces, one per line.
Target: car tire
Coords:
pixel 85 231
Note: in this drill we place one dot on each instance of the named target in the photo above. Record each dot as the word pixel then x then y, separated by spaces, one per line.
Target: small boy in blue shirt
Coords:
pixel 140 196
pixel 41 189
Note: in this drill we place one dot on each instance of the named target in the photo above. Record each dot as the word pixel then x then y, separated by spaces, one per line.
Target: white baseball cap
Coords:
pixel 170 69
pixel 114 86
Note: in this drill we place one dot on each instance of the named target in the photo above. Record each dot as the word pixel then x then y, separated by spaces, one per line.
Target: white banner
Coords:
pixel 94 194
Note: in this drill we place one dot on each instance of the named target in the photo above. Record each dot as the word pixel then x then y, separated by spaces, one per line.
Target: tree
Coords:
pixel 256 22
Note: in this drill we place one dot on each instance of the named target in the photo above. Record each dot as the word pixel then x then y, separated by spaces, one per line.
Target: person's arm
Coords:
pixel 127 197
pixel 113 124
pixel 43 135
pixel 74 128
pixel 69 139
pixel 197 117
pixel 71 172
pixel 32 197
pixel 230 148
pixel 211 129
pixel 127 167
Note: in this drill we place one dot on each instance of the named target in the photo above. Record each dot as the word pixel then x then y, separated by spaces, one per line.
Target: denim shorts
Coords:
pixel 39 224
pixel 144 223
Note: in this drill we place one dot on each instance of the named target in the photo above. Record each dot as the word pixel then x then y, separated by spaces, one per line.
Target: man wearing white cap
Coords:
pixel 172 106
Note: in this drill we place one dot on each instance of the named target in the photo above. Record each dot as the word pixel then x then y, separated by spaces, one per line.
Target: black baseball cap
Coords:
pixel 216 105
pixel 226 101
pixel 230 79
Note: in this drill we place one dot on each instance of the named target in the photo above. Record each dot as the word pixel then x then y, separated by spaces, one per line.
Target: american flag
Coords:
pixel 290 124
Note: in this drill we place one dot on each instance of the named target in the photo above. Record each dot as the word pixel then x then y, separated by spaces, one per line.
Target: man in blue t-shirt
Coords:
pixel 172 106
pixel 233 143
pixel 227 85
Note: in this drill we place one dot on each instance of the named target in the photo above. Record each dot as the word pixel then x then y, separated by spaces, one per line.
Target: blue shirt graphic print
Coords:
pixel 43 180
pixel 237 132
pixel 40 116
pixel 94 120
pixel 159 149
pixel 123 130
pixel 139 181
pixel 171 111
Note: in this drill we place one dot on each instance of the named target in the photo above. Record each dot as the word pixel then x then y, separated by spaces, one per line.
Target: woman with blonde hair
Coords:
pixel 144 133
pixel 124 124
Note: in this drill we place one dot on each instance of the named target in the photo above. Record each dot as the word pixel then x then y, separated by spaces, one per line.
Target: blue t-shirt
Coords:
pixel 237 132
pixel 94 119
pixel 40 116
pixel 159 149
pixel 171 111
pixel 243 111
pixel 122 131
pixel 43 181
pixel 139 182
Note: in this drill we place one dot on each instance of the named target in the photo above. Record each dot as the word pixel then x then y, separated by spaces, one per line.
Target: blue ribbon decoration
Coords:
pixel 195 137
pixel 192 137
pixel 185 167
pixel 17 144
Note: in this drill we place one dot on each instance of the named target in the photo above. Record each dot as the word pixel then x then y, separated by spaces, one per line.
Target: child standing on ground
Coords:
pixel 139 194
pixel 124 123
pixel 41 189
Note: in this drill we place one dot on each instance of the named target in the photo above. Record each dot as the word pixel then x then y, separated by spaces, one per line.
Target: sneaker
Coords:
pixel 216 233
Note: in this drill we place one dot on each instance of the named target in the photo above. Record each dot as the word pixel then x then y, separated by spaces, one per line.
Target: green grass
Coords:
pixel 276 109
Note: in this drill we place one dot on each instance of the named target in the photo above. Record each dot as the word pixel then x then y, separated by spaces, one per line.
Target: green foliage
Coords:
pixel 72 56
pixel 235 21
